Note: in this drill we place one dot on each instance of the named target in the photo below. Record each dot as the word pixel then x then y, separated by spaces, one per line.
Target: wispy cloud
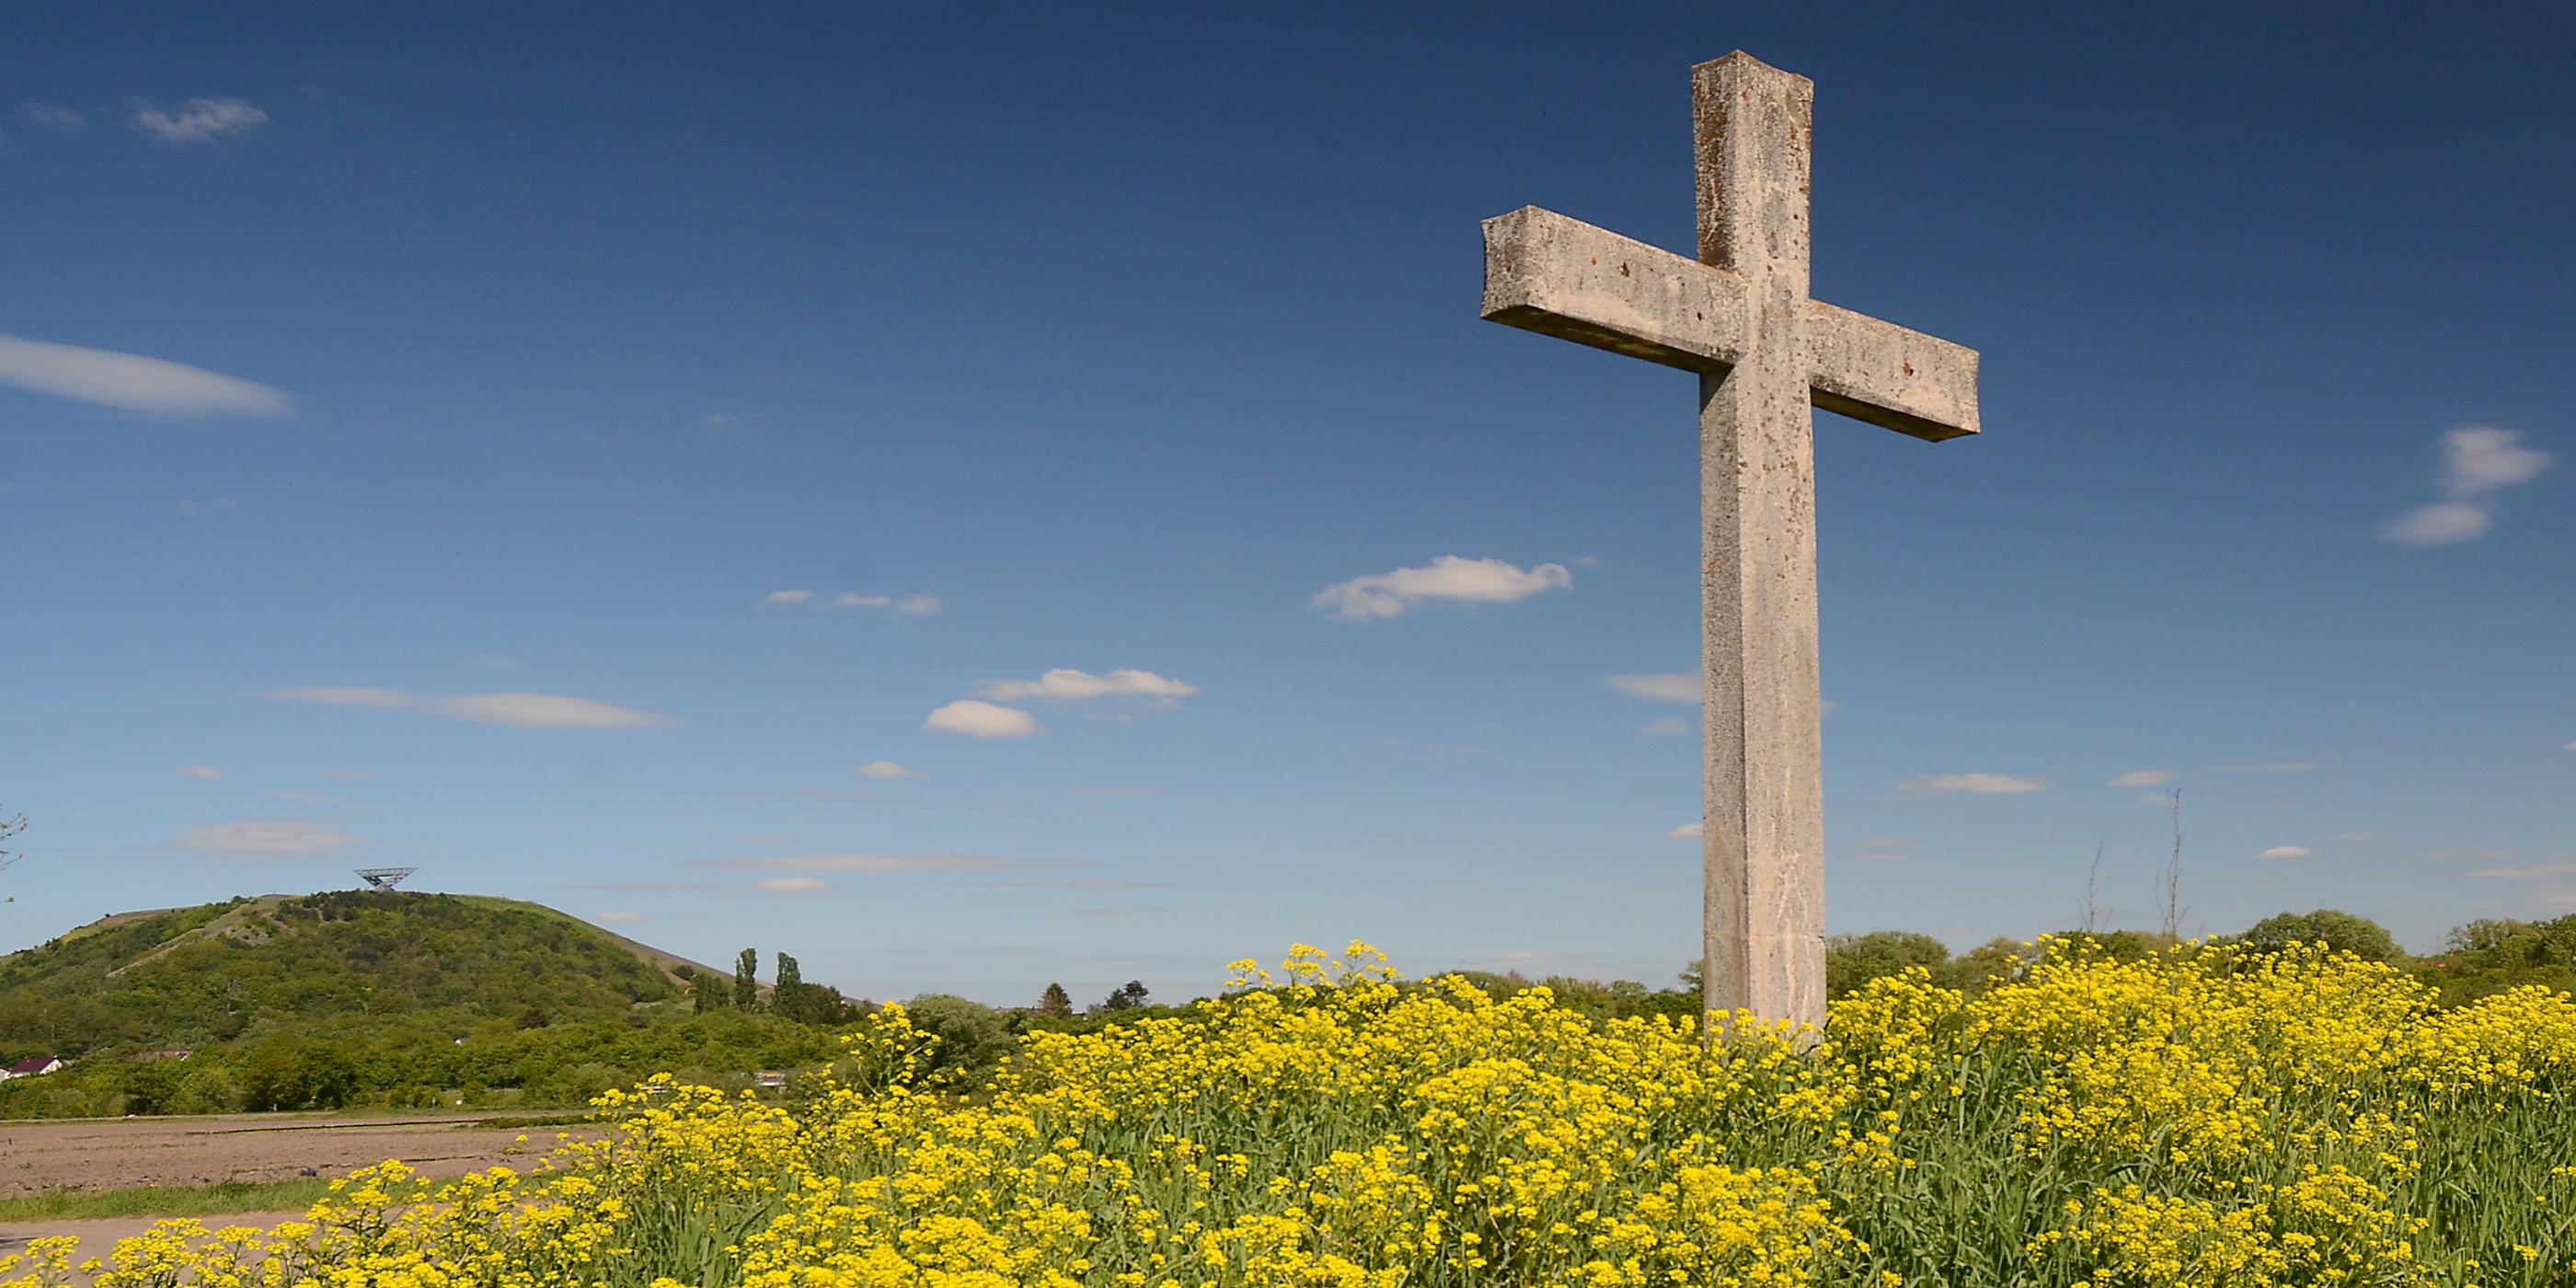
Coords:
pixel 2527 872
pixel 890 863
pixel 510 710
pixel 620 918
pixel 1661 686
pixel 1665 727
pixel 1687 832
pixel 132 382
pixel 1969 784
pixel 2286 852
pixel 264 836
pixel 52 117
pixel 906 605
pixel 2272 767
pixel 207 772
pixel 199 120
pixel 981 720
pixel 1066 685
pixel 1883 849
pixel 2144 778
pixel 2454 854
pixel 2478 461
pixel 1449 577
pixel 792 885
pixel 887 769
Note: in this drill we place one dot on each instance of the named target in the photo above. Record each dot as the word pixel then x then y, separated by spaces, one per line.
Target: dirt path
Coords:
pixel 115 1154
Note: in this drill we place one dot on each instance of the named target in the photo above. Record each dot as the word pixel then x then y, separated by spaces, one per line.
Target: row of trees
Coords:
pixel 791 998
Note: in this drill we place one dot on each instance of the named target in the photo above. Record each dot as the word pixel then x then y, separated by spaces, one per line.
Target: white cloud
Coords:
pixel 619 918
pixel 2527 872
pixel 1970 784
pixel 264 836
pixel 2440 524
pixel 2271 767
pixel 2157 799
pixel 2477 460
pixel 132 382
pixel 546 711
pixel 793 885
pixel 1665 727
pixel 206 772
pixel 790 596
pixel 1478 581
pixel 908 605
pixel 2569 747
pixel 2482 459
pixel 199 119
pixel 981 720
pixel 887 769
pixel 1687 832
pixel 52 117
pixel 2144 778
pixel 1065 685
pixel 1665 686
pixel 350 775
pixel 889 863
pixel 2286 852
pixel 511 710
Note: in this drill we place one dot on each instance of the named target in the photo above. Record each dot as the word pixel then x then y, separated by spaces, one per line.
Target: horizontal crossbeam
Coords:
pixel 1558 276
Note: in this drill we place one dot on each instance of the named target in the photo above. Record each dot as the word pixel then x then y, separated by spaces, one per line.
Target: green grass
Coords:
pixel 166 1200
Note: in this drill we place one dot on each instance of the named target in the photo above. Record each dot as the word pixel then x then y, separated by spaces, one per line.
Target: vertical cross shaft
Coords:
pixel 1763 800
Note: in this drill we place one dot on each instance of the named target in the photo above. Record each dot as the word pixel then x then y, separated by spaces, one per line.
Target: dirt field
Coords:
pixel 108 1154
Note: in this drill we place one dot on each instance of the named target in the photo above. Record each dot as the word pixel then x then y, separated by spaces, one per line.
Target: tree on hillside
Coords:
pixel 705 995
pixel 1854 960
pixel 1055 1001
pixel 746 988
pixel 2485 934
pixel 2340 931
pixel 1125 997
pixel 805 1003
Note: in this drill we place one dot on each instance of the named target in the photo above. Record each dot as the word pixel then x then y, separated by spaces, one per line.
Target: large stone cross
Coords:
pixel 1765 354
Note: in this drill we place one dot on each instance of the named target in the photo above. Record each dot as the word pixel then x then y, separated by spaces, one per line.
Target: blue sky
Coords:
pixel 1061 362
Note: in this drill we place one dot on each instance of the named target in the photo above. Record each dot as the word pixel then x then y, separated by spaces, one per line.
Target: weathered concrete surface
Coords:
pixel 1766 354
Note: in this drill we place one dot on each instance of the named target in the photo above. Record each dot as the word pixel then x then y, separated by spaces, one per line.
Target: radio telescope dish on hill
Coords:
pixel 384 878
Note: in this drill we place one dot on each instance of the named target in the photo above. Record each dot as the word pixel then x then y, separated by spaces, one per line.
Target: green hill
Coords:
pixel 196 977
pixel 375 998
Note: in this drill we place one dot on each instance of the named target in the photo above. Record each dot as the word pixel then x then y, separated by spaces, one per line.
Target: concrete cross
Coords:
pixel 1765 354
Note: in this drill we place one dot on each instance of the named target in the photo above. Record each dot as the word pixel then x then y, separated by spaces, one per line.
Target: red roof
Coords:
pixel 32 1064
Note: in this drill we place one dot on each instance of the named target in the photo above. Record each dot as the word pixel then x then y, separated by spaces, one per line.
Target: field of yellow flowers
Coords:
pixel 2204 1117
